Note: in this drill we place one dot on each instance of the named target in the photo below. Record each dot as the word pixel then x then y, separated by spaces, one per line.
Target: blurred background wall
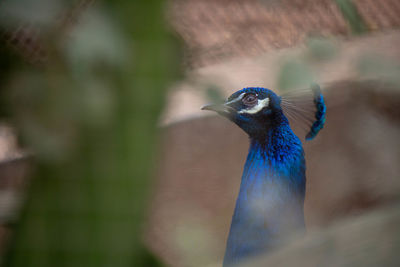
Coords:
pixel 351 48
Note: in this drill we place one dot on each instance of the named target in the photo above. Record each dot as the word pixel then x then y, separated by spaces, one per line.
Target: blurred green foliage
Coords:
pixel 352 16
pixel 294 74
pixel 214 94
pixel 89 114
pixel 321 49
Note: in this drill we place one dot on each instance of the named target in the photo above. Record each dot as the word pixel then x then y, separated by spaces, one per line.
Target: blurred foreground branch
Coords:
pixel 89 115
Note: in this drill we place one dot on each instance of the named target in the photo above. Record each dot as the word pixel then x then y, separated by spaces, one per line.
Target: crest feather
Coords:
pixel 305 108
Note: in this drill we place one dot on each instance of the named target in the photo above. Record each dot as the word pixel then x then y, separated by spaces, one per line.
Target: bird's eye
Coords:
pixel 249 99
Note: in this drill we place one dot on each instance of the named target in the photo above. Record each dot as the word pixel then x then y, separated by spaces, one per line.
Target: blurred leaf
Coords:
pixel 269 3
pixel 214 94
pixel 294 74
pixel 42 12
pixel 321 49
pixel 204 250
pixel 96 40
pixel 352 16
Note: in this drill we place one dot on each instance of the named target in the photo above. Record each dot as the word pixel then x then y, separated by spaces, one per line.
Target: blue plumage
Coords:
pixel 269 206
pixel 319 114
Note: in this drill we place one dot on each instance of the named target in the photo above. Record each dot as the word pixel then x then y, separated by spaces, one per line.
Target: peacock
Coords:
pixel 270 204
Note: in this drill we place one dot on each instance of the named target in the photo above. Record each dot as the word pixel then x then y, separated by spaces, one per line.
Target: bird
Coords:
pixel 270 204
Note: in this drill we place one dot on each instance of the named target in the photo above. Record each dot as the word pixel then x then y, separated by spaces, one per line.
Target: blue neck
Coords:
pixel 271 197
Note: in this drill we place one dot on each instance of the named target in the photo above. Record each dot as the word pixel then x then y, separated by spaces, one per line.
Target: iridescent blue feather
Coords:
pixel 319 114
pixel 269 206
pixel 306 108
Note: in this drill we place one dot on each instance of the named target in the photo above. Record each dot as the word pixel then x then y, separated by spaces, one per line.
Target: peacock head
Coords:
pixel 254 109
pixel 257 110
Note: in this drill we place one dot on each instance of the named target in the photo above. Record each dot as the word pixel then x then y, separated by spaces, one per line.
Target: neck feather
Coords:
pixel 271 197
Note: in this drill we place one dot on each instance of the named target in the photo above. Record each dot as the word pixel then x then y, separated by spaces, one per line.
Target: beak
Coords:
pixel 221 109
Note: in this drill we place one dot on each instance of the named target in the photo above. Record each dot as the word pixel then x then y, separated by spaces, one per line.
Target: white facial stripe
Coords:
pixel 236 99
pixel 260 105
